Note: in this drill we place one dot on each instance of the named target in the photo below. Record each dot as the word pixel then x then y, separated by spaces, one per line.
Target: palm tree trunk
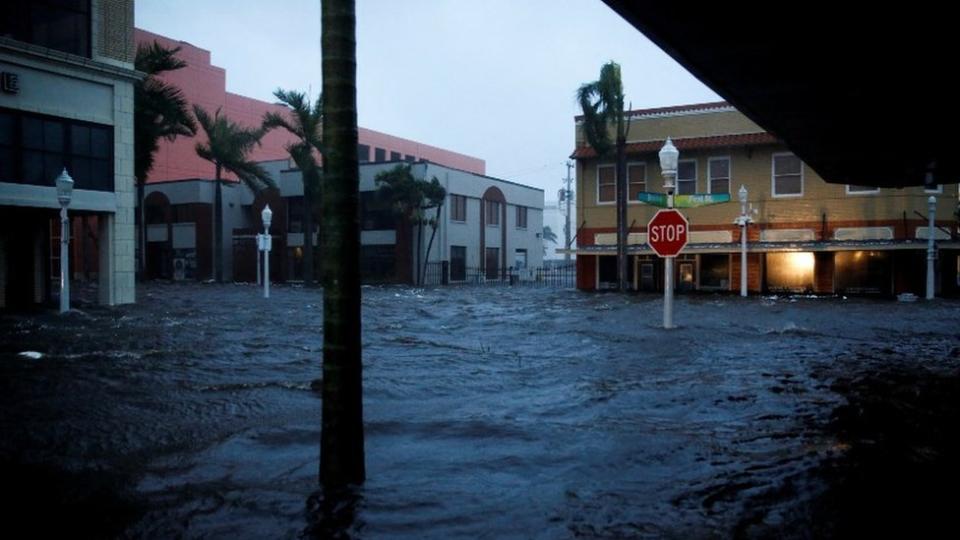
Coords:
pixel 218 229
pixel 341 440
pixel 433 233
pixel 622 212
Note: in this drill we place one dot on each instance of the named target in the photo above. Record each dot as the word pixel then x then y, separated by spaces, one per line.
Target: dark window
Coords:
pixel 521 217
pixel 295 214
pixel 687 177
pixel 458 263
pixel 715 271
pixel 376 214
pixel 182 213
pixel 637 179
pixel 787 175
pixel 606 188
pixel 36 149
pixel 363 153
pixel 458 208
pixel 377 263
pixel 63 25
pixel 719 171
pixel 493 212
pixel 395 156
pixel 379 154
pixel 409 159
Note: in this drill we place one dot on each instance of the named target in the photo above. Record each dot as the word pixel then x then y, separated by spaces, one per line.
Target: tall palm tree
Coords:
pixel 304 123
pixel 160 111
pixel 341 439
pixel 602 105
pixel 548 236
pixel 433 196
pixel 227 147
pixel 409 197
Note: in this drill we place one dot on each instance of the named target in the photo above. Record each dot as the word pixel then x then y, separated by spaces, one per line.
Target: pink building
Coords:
pixel 204 84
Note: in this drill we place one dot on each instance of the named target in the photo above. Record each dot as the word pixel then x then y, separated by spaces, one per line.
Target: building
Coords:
pixel 204 84
pixel 66 103
pixel 808 235
pixel 488 228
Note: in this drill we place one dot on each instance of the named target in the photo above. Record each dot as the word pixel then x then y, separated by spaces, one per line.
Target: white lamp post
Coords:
pixel 931 248
pixel 743 221
pixel 266 242
pixel 668 168
pixel 64 194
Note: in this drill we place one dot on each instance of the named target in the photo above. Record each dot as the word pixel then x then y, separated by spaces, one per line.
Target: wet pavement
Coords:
pixel 489 413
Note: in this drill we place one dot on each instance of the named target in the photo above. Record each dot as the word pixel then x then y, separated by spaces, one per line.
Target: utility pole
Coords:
pixel 568 194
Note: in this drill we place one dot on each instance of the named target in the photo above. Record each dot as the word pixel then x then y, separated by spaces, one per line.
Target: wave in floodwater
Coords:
pixel 489 412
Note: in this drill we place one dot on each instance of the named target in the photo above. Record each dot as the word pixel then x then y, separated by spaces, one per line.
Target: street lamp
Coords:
pixel 743 221
pixel 668 168
pixel 265 244
pixel 64 194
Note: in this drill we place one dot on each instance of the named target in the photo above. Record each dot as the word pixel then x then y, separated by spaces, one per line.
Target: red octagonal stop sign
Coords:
pixel 667 232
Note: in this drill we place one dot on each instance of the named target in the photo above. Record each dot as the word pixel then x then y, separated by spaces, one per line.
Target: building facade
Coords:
pixel 66 103
pixel 807 235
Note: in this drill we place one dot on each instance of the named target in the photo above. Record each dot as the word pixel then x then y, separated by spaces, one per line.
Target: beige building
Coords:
pixel 66 102
pixel 807 235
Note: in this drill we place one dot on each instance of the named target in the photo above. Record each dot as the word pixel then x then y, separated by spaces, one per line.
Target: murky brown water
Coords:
pixel 490 412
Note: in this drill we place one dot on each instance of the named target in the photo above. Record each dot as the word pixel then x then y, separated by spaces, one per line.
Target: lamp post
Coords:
pixel 668 168
pixel 64 194
pixel 931 248
pixel 743 221
pixel 266 242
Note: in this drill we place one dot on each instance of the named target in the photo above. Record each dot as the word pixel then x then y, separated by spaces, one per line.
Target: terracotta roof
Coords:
pixel 691 143
pixel 674 109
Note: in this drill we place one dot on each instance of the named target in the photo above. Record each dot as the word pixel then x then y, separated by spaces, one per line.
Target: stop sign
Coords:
pixel 667 232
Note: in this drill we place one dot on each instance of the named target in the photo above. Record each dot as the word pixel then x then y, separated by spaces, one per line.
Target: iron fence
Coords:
pixel 442 273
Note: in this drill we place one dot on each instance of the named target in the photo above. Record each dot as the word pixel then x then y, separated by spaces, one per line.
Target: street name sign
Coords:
pixel 667 232
pixel 683 201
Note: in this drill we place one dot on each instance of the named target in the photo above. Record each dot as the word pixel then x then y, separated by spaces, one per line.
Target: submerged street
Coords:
pixel 489 411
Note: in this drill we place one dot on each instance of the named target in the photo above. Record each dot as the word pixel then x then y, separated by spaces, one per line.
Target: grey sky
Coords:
pixel 493 79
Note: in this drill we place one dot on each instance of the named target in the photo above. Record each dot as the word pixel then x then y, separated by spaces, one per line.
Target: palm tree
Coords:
pixel 227 147
pixel 341 439
pixel 433 195
pixel 602 105
pixel 160 111
pixel 304 123
pixel 409 197
pixel 548 236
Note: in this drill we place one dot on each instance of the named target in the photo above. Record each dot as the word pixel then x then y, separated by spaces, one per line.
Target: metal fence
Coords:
pixel 442 273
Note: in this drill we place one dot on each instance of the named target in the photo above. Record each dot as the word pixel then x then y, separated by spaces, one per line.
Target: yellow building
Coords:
pixel 807 235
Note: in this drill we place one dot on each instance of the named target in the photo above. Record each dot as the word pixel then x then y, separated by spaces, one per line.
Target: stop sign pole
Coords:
pixel 668 167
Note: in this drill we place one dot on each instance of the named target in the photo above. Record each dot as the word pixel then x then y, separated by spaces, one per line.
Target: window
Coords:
pixel 492 263
pixel 376 214
pixel 394 156
pixel 493 213
pixel 409 159
pixel 718 170
pixel 35 149
pixel 458 208
pixel 520 259
pixel 861 190
pixel 363 153
pixel 521 217
pixel 294 214
pixel 63 25
pixel 458 263
pixel 686 177
pixel 637 178
pixel 379 154
pixel 606 184
pixel 787 175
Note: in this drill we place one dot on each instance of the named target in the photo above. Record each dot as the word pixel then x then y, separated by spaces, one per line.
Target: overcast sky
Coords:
pixel 493 79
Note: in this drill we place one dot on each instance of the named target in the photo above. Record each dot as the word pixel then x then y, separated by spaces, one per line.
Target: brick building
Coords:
pixel 808 235
pixel 66 103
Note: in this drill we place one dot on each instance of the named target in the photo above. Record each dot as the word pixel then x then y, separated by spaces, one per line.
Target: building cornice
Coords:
pixel 46 55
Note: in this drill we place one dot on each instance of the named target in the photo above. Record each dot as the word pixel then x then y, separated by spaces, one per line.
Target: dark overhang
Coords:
pixel 863 94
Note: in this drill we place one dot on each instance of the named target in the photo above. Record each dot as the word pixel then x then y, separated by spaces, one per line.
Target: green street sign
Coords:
pixel 683 201
pixel 700 199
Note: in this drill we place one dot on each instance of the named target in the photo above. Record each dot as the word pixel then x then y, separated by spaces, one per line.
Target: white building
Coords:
pixel 66 102
pixel 489 228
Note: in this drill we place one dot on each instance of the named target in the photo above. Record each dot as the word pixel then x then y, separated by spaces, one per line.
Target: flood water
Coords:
pixel 489 412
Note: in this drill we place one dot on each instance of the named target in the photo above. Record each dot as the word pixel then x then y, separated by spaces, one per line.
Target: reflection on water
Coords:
pixel 489 411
